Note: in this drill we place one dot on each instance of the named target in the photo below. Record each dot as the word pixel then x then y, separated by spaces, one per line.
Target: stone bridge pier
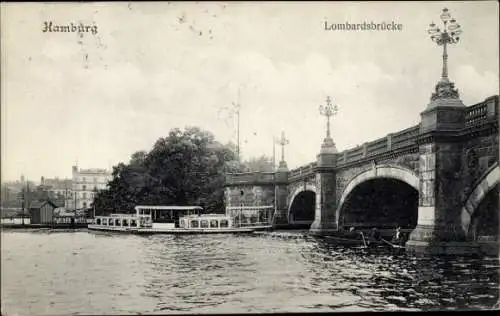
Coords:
pixel 438 180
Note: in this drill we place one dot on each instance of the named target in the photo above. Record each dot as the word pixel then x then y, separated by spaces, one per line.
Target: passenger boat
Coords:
pixel 173 220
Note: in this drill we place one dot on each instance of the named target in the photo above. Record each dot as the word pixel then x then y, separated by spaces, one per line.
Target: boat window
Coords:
pixel 214 223
pixel 133 223
pixel 125 222
pixel 224 223
pixel 98 221
pixel 110 222
pixel 117 222
pixel 194 224
pixel 182 224
pixel 204 223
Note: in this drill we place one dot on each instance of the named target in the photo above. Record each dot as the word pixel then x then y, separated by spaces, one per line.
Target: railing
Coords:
pixel 302 171
pixel 354 154
pixel 69 220
pixel 376 147
pixel 480 112
pixel 259 177
pixel 248 216
pixel 475 115
pixel 405 137
pixel 249 208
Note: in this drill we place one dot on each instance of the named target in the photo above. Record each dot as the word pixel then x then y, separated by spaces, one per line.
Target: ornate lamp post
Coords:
pixel 283 142
pixel 449 34
pixel 328 110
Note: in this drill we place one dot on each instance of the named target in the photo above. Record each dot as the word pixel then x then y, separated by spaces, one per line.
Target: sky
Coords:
pixel 151 67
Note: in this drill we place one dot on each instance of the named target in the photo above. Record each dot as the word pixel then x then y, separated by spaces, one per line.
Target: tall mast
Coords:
pixel 238 124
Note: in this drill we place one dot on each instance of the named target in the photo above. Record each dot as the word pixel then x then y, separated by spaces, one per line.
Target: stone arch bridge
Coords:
pixel 438 179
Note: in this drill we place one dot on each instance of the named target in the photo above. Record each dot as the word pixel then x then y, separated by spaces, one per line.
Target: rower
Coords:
pixel 397 235
pixel 375 234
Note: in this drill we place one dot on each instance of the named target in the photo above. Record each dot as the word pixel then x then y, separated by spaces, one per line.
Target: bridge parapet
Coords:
pixel 475 116
pixel 377 146
pixel 353 154
pixel 394 141
pixel 250 178
pixel 482 112
pixel 303 171
pixel 404 138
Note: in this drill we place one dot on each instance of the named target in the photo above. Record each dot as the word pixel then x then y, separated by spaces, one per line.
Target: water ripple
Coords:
pixel 84 273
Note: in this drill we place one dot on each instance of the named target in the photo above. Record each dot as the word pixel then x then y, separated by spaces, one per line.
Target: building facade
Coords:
pixel 85 184
pixel 57 189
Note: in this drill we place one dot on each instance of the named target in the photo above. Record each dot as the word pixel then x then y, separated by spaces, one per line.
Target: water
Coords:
pixel 63 273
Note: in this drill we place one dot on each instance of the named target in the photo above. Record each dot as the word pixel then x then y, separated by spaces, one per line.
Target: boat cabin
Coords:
pixel 149 216
pixel 206 221
pixel 123 220
pixel 166 217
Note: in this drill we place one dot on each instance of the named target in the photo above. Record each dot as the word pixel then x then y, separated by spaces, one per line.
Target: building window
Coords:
pixel 84 187
pixel 95 180
pixel 84 195
pixel 84 180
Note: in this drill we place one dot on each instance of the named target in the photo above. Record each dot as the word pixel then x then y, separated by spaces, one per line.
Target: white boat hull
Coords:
pixel 177 231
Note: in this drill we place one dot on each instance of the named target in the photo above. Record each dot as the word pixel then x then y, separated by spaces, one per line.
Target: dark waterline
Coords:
pixel 81 272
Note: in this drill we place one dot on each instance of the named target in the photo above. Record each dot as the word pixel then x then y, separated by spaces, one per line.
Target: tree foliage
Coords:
pixel 185 168
pixel 259 164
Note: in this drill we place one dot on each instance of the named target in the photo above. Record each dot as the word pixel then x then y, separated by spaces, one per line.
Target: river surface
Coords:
pixel 81 272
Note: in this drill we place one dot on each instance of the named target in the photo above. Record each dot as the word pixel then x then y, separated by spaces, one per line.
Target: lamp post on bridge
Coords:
pixel 283 142
pixel 439 227
pixel 328 110
pixel 449 34
pixel 280 185
pixel 325 220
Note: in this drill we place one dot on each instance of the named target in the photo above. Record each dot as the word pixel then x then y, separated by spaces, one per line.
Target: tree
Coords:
pixel 185 168
pixel 260 164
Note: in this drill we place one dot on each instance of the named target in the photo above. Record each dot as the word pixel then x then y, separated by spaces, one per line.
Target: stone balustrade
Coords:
pixel 475 115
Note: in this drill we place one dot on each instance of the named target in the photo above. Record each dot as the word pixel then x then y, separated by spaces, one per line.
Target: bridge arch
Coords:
pixel 298 191
pixel 383 171
pixel 487 182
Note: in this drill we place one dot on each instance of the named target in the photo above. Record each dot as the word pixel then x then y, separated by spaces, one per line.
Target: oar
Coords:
pixel 364 241
pixel 390 244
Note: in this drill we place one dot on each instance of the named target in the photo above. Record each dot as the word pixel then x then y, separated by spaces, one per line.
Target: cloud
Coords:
pixel 145 73
pixel 474 86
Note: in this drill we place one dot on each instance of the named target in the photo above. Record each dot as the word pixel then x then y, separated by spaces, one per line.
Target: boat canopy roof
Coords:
pixel 211 216
pixel 170 207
